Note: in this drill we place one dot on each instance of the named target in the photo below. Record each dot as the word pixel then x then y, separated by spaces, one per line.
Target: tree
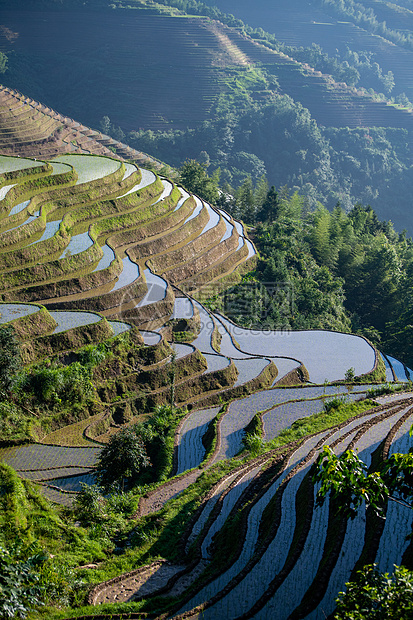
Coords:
pixel 372 595
pixel 244 197
pixel 270 209
pixel 377 596
pixel 122 460
pixel 3 63
pixel 347 480
pixel 10 360
pixel 105 125
pixel 194 177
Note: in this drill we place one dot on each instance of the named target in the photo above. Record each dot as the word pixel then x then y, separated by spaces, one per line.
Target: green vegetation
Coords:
pixel 320 421
pixel 376 596
pixel 122 459
pixel 10 359
pixel 194 177
pixel 39 547
pixel 340 271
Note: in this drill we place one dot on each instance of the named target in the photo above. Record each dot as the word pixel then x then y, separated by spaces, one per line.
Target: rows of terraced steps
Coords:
pixel 330 104
pixel 30 129
pixel 149 46
pixel 92 248
pixel 198 49
pixel 290 558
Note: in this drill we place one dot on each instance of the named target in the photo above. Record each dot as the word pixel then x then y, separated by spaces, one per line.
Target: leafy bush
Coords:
pixel 20 587
pixel 13 423
pixel 10 361
pixel 53 386
pixel 254 443
pixel 374 595
pixel 381 389
pixel 333 403
pixel 29 578
pixel 92 355
pixel 122 460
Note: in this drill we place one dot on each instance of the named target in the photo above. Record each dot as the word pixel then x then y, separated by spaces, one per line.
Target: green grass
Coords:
pixel 320 422
pixel 157 535
pixel 71 435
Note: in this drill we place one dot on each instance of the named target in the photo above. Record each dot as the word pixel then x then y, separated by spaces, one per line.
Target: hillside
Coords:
pixel 176 359
pixel 120 59
pixel 104 266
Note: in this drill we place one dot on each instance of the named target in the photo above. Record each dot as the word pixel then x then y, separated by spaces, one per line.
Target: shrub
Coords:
pixel 10 360
pixel 122 460
pixel 254 443
pixel 333 403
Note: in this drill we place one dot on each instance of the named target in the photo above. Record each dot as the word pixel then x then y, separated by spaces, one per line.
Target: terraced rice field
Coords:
pixel 276 575
pixel 100 269
pixel 335 350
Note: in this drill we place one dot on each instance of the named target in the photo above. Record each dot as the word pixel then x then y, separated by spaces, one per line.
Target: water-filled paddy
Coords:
pixel 214 218
pixel 29 219
pixel 216 362
pixel 59 168
pixel 251 250
pixel 167 188
pixel 191 450
pixel 203 341
pixel 73 483
pixel 227 346
pixel 9 312
pixel 38 456
pixel 150 338
pixel 9 164
pixel 147 178
pixel 107 258
pixel 389 372
pixel 283 416
pixel 89 167
pixel 196 211
pixel 326 355
pixel 129 169
pixel 249 368
pixel 156 289
pixel 183 308
pixel 19 207
pixel 68 320
pixel 182 350
pixel 228 230
pixel 4 190
pixel 77 244
pixel 399 369
pixel 119 327
pixel 184 196
pixel 130 272
pixel 50 230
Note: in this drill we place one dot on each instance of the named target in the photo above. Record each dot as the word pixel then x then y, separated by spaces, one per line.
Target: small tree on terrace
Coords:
pixel 10 361
pixel 194 177
pixel 122 460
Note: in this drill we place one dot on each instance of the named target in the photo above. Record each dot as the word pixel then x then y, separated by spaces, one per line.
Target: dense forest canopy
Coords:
pixel 320 269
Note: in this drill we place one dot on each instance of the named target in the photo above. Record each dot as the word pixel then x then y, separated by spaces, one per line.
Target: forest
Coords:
pixel 345 271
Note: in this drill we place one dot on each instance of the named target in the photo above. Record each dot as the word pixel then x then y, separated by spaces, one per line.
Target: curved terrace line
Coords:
pixel 326 355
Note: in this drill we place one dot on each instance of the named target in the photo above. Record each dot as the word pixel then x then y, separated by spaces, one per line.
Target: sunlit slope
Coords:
pixel 78 232
pixel 123 60
pixel 29 128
